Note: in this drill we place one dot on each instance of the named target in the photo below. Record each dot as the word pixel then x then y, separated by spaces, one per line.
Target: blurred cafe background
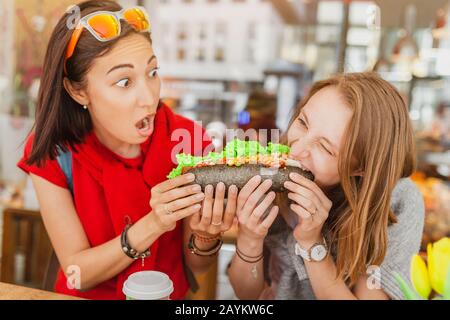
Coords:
pixel 237 64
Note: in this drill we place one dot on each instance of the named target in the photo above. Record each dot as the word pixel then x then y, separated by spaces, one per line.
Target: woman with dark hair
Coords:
pixel 99 156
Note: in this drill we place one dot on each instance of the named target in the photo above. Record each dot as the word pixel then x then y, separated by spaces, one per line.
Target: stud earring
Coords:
pixel 85 107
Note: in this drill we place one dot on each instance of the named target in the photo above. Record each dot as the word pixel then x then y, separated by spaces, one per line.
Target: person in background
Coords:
pixel 258 120
pixel 440 126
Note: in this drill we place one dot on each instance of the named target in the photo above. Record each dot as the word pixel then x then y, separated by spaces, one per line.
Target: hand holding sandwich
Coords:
pixel 311 205
pixel 174 200
pixel 253 203
pixel 212 220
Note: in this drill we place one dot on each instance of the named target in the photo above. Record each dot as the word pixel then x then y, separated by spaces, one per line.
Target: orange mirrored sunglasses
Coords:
pixel 105 26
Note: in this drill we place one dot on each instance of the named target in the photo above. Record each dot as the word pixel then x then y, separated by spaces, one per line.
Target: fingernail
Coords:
pixel 268 182
pixel 196 188
pixel 197 207
pixel 209 189
pixel 233 189
pixel 272 194
pixel 297 176
pixel 190 177
pixel 199 196
pixel 221 187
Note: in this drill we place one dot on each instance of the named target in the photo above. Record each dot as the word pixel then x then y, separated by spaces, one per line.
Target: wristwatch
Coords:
pixel 316 253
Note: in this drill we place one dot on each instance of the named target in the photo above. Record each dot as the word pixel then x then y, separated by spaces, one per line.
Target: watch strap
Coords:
pixel 306 253
pixel 299 251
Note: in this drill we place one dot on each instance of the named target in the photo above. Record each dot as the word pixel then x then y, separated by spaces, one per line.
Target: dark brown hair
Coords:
pixel 61 121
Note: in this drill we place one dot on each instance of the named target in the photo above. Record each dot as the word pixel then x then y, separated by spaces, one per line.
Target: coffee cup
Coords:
pixel 148 285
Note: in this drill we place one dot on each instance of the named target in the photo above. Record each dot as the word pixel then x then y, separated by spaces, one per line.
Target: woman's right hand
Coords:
pixel 174 200
pixel 252 203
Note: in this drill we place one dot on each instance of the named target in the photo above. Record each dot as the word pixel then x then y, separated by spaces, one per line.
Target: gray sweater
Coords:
pixel 286 271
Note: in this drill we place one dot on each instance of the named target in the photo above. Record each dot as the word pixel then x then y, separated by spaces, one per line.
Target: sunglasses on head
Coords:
pixel 105 26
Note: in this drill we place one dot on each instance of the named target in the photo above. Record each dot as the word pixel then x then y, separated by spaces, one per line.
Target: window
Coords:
pixel 251 43
pixel 220 41
pixel 361 12
pixel 329 12
pixel 200 54
pixel 219 54
pixel 202 34
pixel 181 54
pixel 220 34
pixel 182 35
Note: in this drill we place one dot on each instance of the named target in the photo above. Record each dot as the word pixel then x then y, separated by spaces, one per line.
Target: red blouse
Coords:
pixel 109 189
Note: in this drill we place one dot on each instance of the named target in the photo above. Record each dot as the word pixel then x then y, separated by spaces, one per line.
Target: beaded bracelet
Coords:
pixel 207 239
pixel 247 258
pixel 128 250
pixel 204 253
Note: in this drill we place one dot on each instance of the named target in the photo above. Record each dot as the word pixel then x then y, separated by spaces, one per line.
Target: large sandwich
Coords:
pixel 239 162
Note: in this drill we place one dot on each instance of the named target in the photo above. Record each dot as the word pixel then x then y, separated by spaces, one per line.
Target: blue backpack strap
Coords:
pixel 65 162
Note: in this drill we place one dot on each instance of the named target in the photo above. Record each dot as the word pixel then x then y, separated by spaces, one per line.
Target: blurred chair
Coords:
pixel 24 235
pixel 207 285
pixel 51 272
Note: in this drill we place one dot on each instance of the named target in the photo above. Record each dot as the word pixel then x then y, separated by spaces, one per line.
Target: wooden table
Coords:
pixel 13 292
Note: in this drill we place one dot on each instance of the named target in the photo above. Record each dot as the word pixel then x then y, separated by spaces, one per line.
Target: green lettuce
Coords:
pixel 239 148
pixel 235 148
pixel 277 148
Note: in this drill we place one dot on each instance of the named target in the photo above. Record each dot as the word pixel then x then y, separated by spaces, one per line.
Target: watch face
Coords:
pixel 318 252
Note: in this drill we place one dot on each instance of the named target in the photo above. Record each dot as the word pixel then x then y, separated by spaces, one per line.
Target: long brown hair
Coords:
pixel 380 138
pixel 60 120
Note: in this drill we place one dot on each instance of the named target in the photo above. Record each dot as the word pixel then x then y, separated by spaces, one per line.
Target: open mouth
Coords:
pixel 145 126
pixel 296 163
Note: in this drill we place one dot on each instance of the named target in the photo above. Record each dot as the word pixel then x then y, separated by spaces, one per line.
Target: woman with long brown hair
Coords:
pixel 99 156
pixel 346 234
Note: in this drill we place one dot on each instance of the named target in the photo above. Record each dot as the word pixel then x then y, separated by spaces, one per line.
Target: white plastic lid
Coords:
pixel 148 285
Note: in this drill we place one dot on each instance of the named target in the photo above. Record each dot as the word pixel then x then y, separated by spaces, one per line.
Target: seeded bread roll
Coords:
pixel 239 176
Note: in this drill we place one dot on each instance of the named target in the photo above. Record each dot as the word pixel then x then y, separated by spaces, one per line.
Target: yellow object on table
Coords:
pixel 13 292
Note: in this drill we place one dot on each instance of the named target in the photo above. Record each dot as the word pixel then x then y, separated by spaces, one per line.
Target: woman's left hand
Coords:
pixel 213 220
pixel 311 205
